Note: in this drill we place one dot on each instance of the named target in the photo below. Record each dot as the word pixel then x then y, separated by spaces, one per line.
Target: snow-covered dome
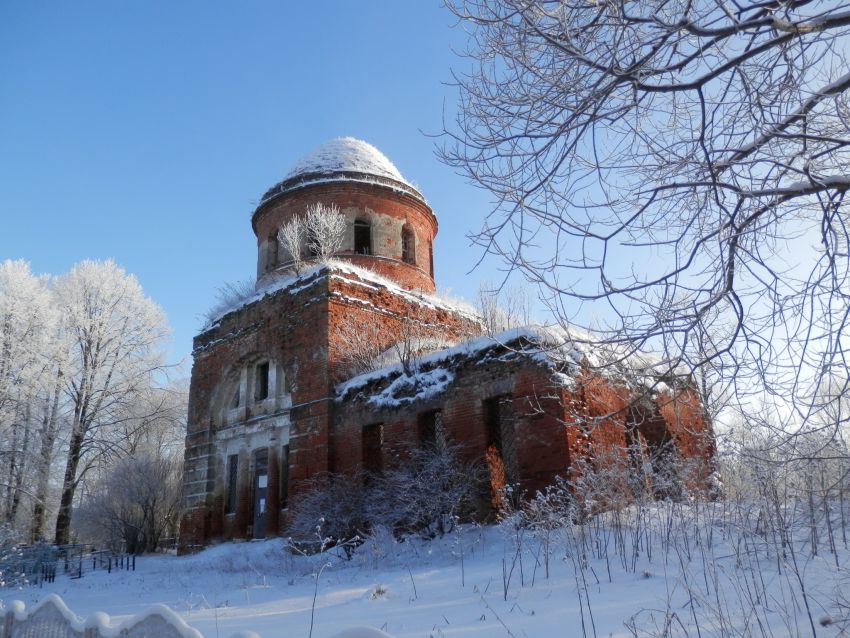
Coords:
pixel 346 154
pixel 343 159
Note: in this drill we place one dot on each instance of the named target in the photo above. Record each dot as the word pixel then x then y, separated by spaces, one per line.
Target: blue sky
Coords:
pixel 147 131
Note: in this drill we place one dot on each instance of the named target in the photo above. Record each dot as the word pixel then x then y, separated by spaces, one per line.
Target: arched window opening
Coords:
pixel 431 258
pixel 312 243
pixel 271 253
pixel 362 237
pixel 408 246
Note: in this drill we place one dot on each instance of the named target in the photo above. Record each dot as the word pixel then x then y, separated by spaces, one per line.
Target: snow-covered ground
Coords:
pixel 664 570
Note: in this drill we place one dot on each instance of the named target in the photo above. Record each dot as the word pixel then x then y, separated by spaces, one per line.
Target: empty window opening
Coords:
pixel 362 237
pixel 373 442
pixel 431 258
pixel 313 242
pixel 498 419
pixel 284 477
pixel 431 431
pixel 408 246
pixel 235 400
pixel 230 488
pixel 493 422
pixel 261 389
pixel 271 252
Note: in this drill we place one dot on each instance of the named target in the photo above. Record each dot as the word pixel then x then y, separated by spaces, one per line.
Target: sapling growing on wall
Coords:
pixel 326 228
pixel 321 230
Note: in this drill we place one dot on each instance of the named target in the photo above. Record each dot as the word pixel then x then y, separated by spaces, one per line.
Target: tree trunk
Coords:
pixel 49 426
pixel 20 470
pixel 69 486
pixel 9 479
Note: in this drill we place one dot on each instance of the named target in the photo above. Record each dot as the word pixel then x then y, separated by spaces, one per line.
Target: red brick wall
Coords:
pixel 382 201
pixel 299 331
pixel 553 426
pixel 289 329
pixel 685 420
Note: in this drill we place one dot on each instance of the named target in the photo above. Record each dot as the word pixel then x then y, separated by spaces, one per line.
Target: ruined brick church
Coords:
pixel 274 399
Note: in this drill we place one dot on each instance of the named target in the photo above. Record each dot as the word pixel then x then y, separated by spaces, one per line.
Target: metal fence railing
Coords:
pixel 41 563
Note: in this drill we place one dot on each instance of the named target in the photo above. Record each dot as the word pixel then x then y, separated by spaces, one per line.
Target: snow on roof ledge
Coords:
pixel 294 283
pixel 433 375
pixel 562 351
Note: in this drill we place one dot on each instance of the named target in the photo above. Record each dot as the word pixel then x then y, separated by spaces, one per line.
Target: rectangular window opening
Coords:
pixel 362 238
pixel 431 431
pixel 284 477
pixel 261 389
pixel 373 442
pixel 493 422
pixel 230 488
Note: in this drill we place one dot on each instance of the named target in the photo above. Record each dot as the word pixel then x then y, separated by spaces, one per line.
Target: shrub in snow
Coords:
pixel 330 512
pixel 501 308
pixel 427 492
pixel 363 345
pixel 12 568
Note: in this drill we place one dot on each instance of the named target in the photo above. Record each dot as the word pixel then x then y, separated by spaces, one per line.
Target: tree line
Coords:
pixel 90 425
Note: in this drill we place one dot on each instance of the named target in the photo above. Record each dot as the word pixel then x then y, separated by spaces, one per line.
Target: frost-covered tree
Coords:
pixel 321 230
pixel 27 366
pixel 136 505
pixel 292 236
pixel 115 336
pixel 50 422
pixel 26 326
pixel 326 228
pixel 679 168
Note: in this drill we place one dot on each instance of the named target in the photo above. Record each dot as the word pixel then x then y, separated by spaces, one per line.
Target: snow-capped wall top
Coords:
pixel 343 159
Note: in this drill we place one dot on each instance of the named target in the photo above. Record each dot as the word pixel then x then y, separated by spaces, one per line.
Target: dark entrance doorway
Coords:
pixel 261 483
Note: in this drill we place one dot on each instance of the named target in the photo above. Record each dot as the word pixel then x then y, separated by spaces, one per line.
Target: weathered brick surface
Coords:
pixel 299 331
pixel 388 212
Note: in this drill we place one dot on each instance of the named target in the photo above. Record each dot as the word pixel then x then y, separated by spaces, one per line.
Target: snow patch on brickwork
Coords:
pixel 419 386
pixel 431 374
pixel 563 352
